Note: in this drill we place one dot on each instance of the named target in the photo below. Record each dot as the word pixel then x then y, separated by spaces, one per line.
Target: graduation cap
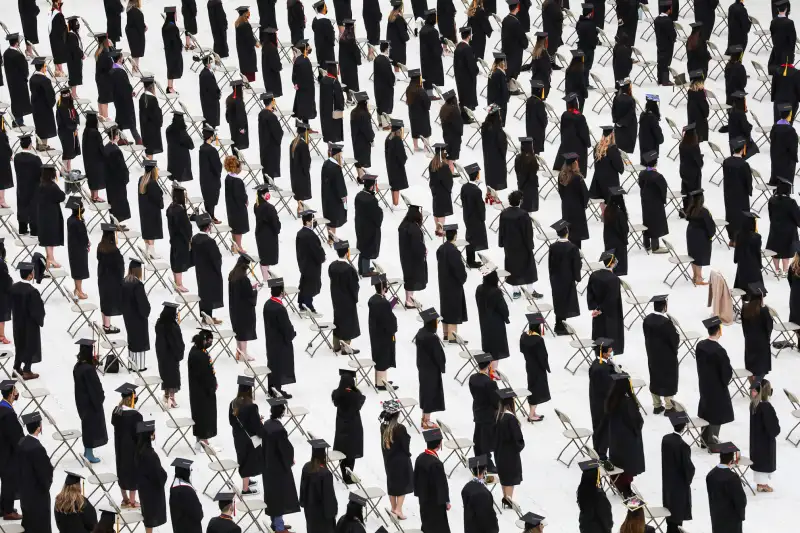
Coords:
pixel 246 381
pixel 483 358
pixel 381 529
pixel 723 447
pixel 541 34
pixel 577 53
pixel 347 371
pixel 740 95
pixel 429 315
pixel 780 3
pixel 690 127
pixel 12 37
pixel 560 225
pixel 361 96
pixel 571 97
pixel 478 462
pixel 678 417
pixel 225 498
pixel 202 220
pixel 499 55
pixel 356 498
pixel 512 3
pixel 665 3
pixel 242 9
pixel 429 12
pixel 440 147
pixel 335 148
pixel 39 62
pixel 634 504
pixel 148 426
pixel 750 214
pixel 472 169
pixel 616 190
pixel 85 342
pixel 396 3
pixel 659 298
pixel 148 80
pixel 31 418
pixel 170 9
pixel 734 50
pixel 66 91
pixel 234 83
pixel 266 97
pixel 652 98
pixel 650 157
pixel 526 140
pixel 380 278
pixel 72 478
pixel 174 305
pixel 270 30
pixel 570 157
pixel 186 464
pixel 505 394
pixel 135 263
pixel 447 95
pixel 149 164
pixel 126 389
pixel 275 402
pixel 623 83
pixel 7 384
pixel 604 342
pixel 738 143
pixel 712 322
pixel 108 227
pixel 73 202
pixel 261 187
pixel 530 519
pixel 696 25
pixel 696 75
pixel 397 124
pixel 493 108
pixel 317 5
pixel 431 435
pixel 307 212
pixel 784 107
pixel 317 444
pixel 757 289
pixel 587 7
pixel 301 44
pixel 349 22
pixel 275 282
pixel 369 179
pixel 450 227
pixel 607 130
pixel 341 245
pixel 591 464
pixel 24 265
pixel 466 30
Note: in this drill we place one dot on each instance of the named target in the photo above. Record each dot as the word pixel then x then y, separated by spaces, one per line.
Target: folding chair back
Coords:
pixel 792 399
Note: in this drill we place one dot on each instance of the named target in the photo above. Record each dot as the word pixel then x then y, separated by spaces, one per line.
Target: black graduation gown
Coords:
pixel 698 58
pixel 713 374
pixel 43 98
pixel 151 203
pixel 362 136
pixel 653 194
pixel 180 233
pixel 125 422
pixel 615 237
pixel 534 349
pixel 757 351
pixel 169 352
pixel 123 99
pixel 574 138
pixel 747 256
pixel 600 384
pixel 738 24
pixel 479 513
pixel 331 100
pixel 5 308
pixel 245 426
pixel 74 59
pixel 397 462
pixel 625 429
pixel 349 61
pixel 515 236
pixel 697 111
pixel 334 194
pixel 474 210
pixel 116 177
pixel 349 435
pixel 794 295
pixel 246 48
pixel 383 84
pixel 110 271
pixel 17 69
pixel 173 50
pixel 185 510
pixel 564 265
pixel 151 479
pixel 431 488
pixel 296 18
pixel 699 234
pixel 210 95
pixel 77 248
pixel 280 493
pixel 28 10
pixel 784 219
pixel 622 61
pixel 739 126
pixel 82 521
pixel 102 77
pixel 705 12
pixel 318 499
pixel 150 122
pixel 268 228
pixel 603 294
pixel 677 473
pixel 691 167
pixel 344 297
pixel 650 135
pixel 784 37
pixel 236 205
pixel 782 152
pixel 202 393
pixel 484 411
pixel 50 219
pixel 413 256
pixel 305 104
pixel 513 42
pixel 575 82
pixel 419 114
pixel 764 429
pixel 536 122
pixel 300 170
pixel 446 19
pixel 574 201
pixel 552 23
pixel 207 261
pixel 371 14
pixel 113 11
pixel 368 220
pixel 493 316
pixel 223 524
pixel 271 68
pixel 726 500
pixel 526 167
pixel 179 144
pixel 430 368
pixel 430 55
pixel 135 32
pixel 236 117
pixel 27 311
pixel 35 478
pixel 607 171
pixel 382 330
pixel 397 35
pixel 465 71
pixel 497 92
pixel 735 80
pixel 210 175
pixel 395 156
pixel 509 446
pixel 89 399
pixel 441 186
pixel 661 345
pixel 58 37
pixel 666 35
pixel 266 13
pixel 270 135
pixel 278 334
pixel 135 312
pixel 452 275
pixel 623 112
pixel 595 513
pixel 737 186
pixel 310 257
pixel 495 145
pixel 481 31
pixel 93 159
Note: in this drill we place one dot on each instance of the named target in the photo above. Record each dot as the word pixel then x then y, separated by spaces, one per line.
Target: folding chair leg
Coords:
pixel 795 443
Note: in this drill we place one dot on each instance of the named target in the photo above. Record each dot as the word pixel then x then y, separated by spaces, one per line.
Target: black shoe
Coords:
pixel 560 331
pixel 536 295
pixel 658 410
pixel 286 395
pixel 506 503
pixel 723 129
pixel 253 482
pixel 474 265
pixel 608 466
pixel 110 330
pixel 382 388
pixel 670 411
pixel 553 66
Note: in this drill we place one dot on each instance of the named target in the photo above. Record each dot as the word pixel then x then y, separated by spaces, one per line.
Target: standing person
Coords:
pixel 202 389
pixel 104 64
pixel 58 36
pixel 305 102
pixel 784 219
pixel 236 116
pixel 207 260
pixel 616 228
pixel 185 510
pixel 395 157
pixel 43 98
pixel 595 509
pixel 361 134
pixel 757 329
pixel 382 331
pixel 150 119
pixel 509 446
pixel 117 177
pixel 465 66
pixel 747 253
pixel 564 265
pixel 479 512
pixel 494 143
pixel 526 167
pixel 713 374
pixel 474 215
pixel 650 135
pixel 666 36
pixel 738 24
pixel 574 135
pixel 431 486
pixel 113 9
pixel 331 104
pixel 513 40
pixel 574 198
pixel 210 172
pixel 653 196
pixel 93 158
pixel 608 166
pixel 150 478
pixel 575 81
pixel 349 435
pixel 268 229
pixel 242 299
pixel 317 497
pixel 697 108
pixel 440 182
pixel 368 221
pixel 75 56
pixel 110 271
pixel 536 122
pixel 481 30
pixel 413 254
pixel 169 352
pixel 430 52
pixel 737 187
pixel 280 493
pixel 604 300
pixel 123 96
pixel 397 34
pixel 383 84
pixel 12 434
pixel 371 14
pixel 691 164
pixel 73 512
pixel 396 448
pixel 270 136
pixel 135 29
pixel 151 202
pixel 344 298
pixel 300 166
pixel 50 219
pixel 210 92
pixel 483 390
pixel 17 70
pixel 246 44
pixel 334 191
pixel 349 59
pixel 180 234
pixel 661 343
pixel 534 350
pixel 623 113
pixel 28 169
pixel 515 236
pixel 89 399
pixel 5 314
pixel 6 178
pixel 278 334
pixel 677 472
pixel 727 501
pixel 219 27
pixel 493 315
pixel 27 312
pixel 419 107
pixel 310 256
pixel 497 91
pixel 173 47
pixel 586 28
pixel 625 446
pixel 430 367
pixel 236 202
pixel 35 476
pixel 353 518
pixel 135 312
pixel 764 429
pixel 126 419
pixel 783 151
pixel 246 425
pixel 452 276
pixel 28 11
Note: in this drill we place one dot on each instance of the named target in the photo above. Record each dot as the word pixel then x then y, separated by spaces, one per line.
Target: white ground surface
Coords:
pixel 548 487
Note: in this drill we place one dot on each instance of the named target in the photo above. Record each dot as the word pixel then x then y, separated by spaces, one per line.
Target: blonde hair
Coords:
pixel 127 401
pixel 796 264
pixel 70 499
pixel 538 48
pixel 697 85
pixel 601 148
pixel 296 140
pixel 232 164
pixel 146 178
pixel 395 12
pixel 762 396
pixel 473 8
pixel 134 3
pixel 388 432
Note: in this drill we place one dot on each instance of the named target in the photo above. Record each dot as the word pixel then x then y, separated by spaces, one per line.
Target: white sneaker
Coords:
pixel 151 252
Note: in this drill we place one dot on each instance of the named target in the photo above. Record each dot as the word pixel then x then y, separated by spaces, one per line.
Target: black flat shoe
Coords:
pixel 110 330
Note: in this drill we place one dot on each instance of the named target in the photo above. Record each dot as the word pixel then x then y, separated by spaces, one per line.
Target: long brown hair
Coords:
pixel 601 149
pixel 387 431
pixel 297 139
pixel 144 181
pixel 764 393
pixel 634 522
pixel 473 8
pixel 396 12
pixel 752 307
pixel 70 500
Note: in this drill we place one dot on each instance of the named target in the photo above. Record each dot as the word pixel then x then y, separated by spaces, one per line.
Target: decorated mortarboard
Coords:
pixel 591 464
pixel 571 97
pixel 472 169
pixel 170 9
pixel 659 298
pixel 7 384
pixel 560 225
pixel 750 214
pixel 723 447
pixel 31 418
pixel 72 478
pixel 577 53
pixel 541 34
pixel 429 315
pixel 678 417
pixel 757 289
pixel 634 503
pixel 24 265
pixel 570 157
pixel 380 278
pixel 431 435
pixel 242 9
pixel 224 497
pixel 493 108
pixel 261 187
pixel 12 37
pixel 246 381
pixel 361 96
pixel 604 342
pixel 317 444
pixel 696 75
pixel 341 245
pixel 505 394
pixel 534 319
pixel 73 202
pixel 483 358
pixel 623 83
pixel 734 50
pixel 108 227
pixel 369 179
pixel 147 426
pixel 712 322
pixel 450 227
pixel 499 55
pixel 126 389
pixel 652 97
pixel 696 25
pixel 396 124
pixel 171 304
pixel 275 282
pixel 275 402
pixel 203 219
pixel 39 61
pixel 179 462
pixel 447 95
pixel 784 107
pixel 478 462
pixel 530 519
pixel 616 190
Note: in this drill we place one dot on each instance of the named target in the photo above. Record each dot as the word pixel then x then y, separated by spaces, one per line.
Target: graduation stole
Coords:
pixel 432 452
pixel 210 362
pixel 575 111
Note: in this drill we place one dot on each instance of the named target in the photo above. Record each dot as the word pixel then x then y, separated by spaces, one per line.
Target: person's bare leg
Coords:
pixel 776 264
pixel 399 507
pixel 74 92
pixel 132 498
pixel 265 272
pixel 416 146
pixel 179 282
pixel 395 198
pixel 245 484
pixel 102 110
pixel 3 199
pixel 393 503
pixel 785 265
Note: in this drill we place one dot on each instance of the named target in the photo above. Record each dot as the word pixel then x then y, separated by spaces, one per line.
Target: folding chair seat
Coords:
pixel 632 171
pixel 638 305
pixel 677 136
pixel 719 111
pixel 222 468
pixel 250 508
pixel 763 38
pixel 767 267
pixel 694 427
pixel 577 437
pixel 180 428
pixel 795 414
pixel 150 384
pixel 582 347
pixel 587 267
pixel 536 306
pixel 636 234
pixel 257 372
pixel 680 86
pixel 457 446
pixel 99 213
pixel 762 130
pixel 35 398
pixel 765 80
pixel 783 333
pixel 102 481
pixel 407 405
pixel 53 283
pixel 373 495
pixel 680 268
pixel 223 338
pixel 554 131
pixel 114 349
pixel 321 330
pixel 26 246
pixel 188 303
pixel 718 61
pixel 6 358
pixel 740 382
pixel 129 520
pixel 66 438
pixel 647 68
pixel 765 191
pixel 687 339
pixel 425 215
pixel 722 20
pixel 546 236
pixel 362 366
pixel 297 414
pixel 468 356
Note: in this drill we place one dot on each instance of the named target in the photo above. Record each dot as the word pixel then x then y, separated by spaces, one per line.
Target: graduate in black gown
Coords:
pixel 5 309
pixel 650 135
pixel 207 260
pixel 185 510
pixel 93 157
pixel 242 299
pixel 430 367
pixel 236 202
pixel 747 253
pixel 595 509
pixel 431 51
pixel 17 70
pixel 35 476
pixel 73 512
pixel 368 221
pixel 270 135
pixel 764 430
pixel 246 425
pixel 575 78
pixel 419 107
pixel 151 203
pixel 479 513
pixel 625 446
pixel 280 493
pixel 150 119
pixel 757 329
pixel 179 145
pixel 483 390
pixel 317 497
pixel 622 56
pixel 300 166
pixel 494 143
pixel 349 435
pixel 440 182
pixel 515 236
pixel 74 55
pixel 278 334
pixel 135 29
pixel 384 81
pixel 397 34
pixel 474 215
pixel 28 313
pixel 58 36
pixel 104 64
pixel 382 330
pixel 89 399
pixel 541 71
pixel 735 75
pixel 697 109
pixel 150 477
pixel 452 276
pixel 344 297
pixel 135 312
pixel 110 271
pixel 12 434
pixel 28 10
pixel 526 167
pixel 699 234
pixel 113 10
pixel 396 450
pixel 737 186
pixel 534 350
pixel 271 65
pixel 331 104
pixel 739 125
pixel 219 27
pixel 246 44
pixel 305 103
pixel 714 373
pixel 430 485
pixel 661 343
pixel 784 218
pixel 783 151
pixel 608 166
pixel 512 36
pixel 310 257
pixel 666 36
pixel 616 228
pixel 493 316
pixel 352 521
pixel 604 300
pixel 574 198
pixel 210 173
pixel 727 501
pixel 564 265
pixel 653 194
pixel 465 69
pixel 43 99
pixel 268 228
pixel 210 92
pixel 202 388
pixel 361 134
pixel 125 419
pixel 50 219
pixel 691 164
pixel 236 116
pixel 623 113
pixel 508 446
pixel 497 91
pixel 574 135
pixel 395 157
pixel 173 47
pixel 117 177
pixel 481 28
pixel 349 58
pixel 180 234
pixel 677 472
pixel 413 254
pixel 170 349
pixel 333 190
pixel 783 33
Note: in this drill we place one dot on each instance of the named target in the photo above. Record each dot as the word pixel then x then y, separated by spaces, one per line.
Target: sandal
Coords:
pixel 110 330
pixel 182 289
pixel 537 418
pixel 764 488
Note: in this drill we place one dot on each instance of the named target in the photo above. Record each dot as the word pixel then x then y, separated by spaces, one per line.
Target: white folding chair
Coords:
pixel 296 414
pixel 795 414
pixel 373 495
pixel 457 446
pixel 687 339
pixel 680 266
pixel 577 437
pixel 222 468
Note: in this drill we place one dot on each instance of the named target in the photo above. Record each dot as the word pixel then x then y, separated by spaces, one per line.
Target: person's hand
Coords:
pixel 242 131
pixel 448 506
pixel 596 313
